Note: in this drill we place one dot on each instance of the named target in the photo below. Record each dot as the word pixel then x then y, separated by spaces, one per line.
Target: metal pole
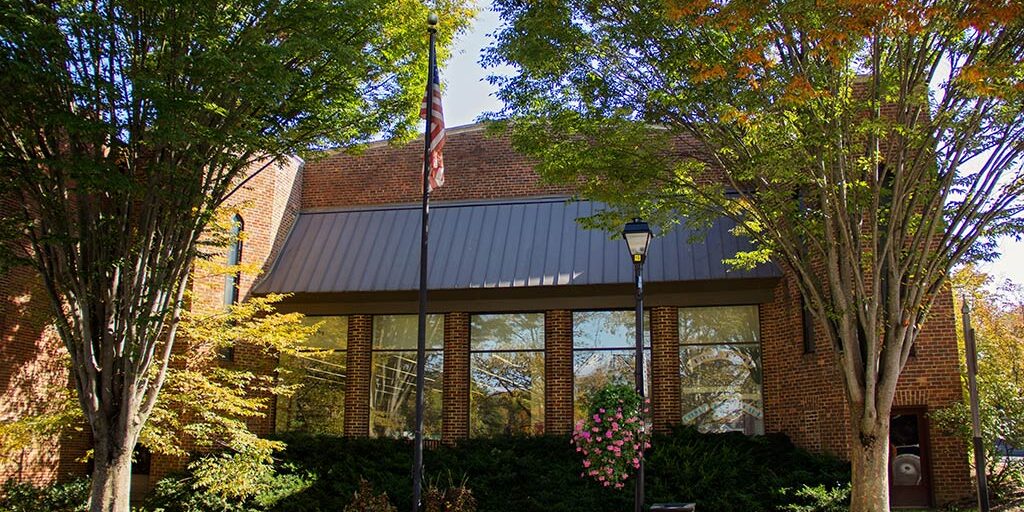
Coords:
pixel 638 265
pixel 971 349
pixel 421 335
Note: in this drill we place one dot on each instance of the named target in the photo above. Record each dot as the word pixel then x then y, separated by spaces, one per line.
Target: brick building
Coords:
pixel 529 312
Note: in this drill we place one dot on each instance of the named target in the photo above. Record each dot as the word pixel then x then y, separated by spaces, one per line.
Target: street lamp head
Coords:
pixel 638 237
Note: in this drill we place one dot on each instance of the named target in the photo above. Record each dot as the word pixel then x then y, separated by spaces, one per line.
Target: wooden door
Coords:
pixel 909 459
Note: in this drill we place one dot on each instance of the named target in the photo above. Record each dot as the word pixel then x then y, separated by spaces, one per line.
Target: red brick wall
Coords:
pixel 32 364
pixel 269 203
pixel 477 166
pixel 357 380
pixel 665 378
pixel 558 390
pixel 455 413
pixel 804 397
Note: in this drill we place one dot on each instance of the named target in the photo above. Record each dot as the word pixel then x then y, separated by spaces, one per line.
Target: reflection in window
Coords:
pixel 234 258
pixel 317 370
pixel 604 352
pixel 393 377
pixel 507 374
pixel 720 366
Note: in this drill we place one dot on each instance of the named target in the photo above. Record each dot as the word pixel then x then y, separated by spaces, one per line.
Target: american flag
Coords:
pixel 436 134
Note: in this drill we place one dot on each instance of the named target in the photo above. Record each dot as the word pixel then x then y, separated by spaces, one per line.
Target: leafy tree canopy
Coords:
pixel 125 124
pixel 865 146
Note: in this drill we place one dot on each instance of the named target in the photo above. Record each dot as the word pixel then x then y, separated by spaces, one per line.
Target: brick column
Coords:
pixel 455 408
pixel 357 380
pixel 665 383
pixel 558 372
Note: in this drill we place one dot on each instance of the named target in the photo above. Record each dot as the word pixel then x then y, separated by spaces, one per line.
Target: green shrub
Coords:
pixel 62 497
pixel 182 494
pixel 734 472
pixel 720 472
pixel 819 499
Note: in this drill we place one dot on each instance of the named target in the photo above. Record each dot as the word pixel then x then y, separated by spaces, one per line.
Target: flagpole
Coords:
pixel 421 335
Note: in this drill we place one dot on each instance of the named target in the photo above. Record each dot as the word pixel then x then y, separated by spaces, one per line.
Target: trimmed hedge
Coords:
pixel 720 472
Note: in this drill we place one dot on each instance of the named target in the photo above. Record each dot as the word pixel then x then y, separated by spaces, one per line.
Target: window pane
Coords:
pixel 318 371
pixel 608 329
pixel 318 405
pixel 721 388
pixel 333 332
pixel 520 331
pixel 398 332
pixel 594 369
pixel 393 395
pixel 730 324
pixel 506 393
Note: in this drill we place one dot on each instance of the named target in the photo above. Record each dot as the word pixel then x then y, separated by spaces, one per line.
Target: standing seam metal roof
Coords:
pixel 486 245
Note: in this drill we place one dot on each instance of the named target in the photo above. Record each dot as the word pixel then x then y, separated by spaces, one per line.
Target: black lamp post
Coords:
pixel 638 237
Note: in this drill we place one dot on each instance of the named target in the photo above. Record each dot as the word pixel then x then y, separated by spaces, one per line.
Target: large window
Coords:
pixel 604 351
pixel 720 365
pixel 393 376
pixel 506 374
pixel 317 370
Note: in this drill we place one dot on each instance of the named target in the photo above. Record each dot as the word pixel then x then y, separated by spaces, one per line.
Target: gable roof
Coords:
pixel 511 244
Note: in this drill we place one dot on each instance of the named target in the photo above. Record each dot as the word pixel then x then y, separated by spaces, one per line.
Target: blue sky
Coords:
pixel 466 92
pixel 467 95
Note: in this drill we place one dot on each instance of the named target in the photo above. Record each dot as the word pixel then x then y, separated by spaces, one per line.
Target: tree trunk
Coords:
pixel 111 477
pixel 869 455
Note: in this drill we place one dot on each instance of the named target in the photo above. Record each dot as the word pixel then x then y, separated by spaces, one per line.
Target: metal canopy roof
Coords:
pixel 518 244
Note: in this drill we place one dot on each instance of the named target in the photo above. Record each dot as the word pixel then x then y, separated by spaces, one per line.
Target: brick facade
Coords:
pixel 357 379
pixel 32 365
pixel 665 382
pixel 802 394
pixel 558 389
pixel 455 414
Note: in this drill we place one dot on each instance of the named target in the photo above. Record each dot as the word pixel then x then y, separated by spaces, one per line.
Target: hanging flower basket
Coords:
pixel 614 435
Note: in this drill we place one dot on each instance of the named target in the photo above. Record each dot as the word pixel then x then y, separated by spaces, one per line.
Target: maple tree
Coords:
pixel 867 147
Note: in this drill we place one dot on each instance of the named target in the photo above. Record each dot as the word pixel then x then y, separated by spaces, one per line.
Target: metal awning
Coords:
pixel 512 244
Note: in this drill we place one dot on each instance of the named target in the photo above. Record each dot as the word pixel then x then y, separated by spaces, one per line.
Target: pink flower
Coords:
pixel 597 418
pixel 586 463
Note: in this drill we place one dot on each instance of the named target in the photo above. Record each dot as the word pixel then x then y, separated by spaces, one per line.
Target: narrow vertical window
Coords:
pixel 506 393
pixel 604 352
pixel 234 258
pixel 393 377
pixel 720 367
pixel 317 371
pixel 808 324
